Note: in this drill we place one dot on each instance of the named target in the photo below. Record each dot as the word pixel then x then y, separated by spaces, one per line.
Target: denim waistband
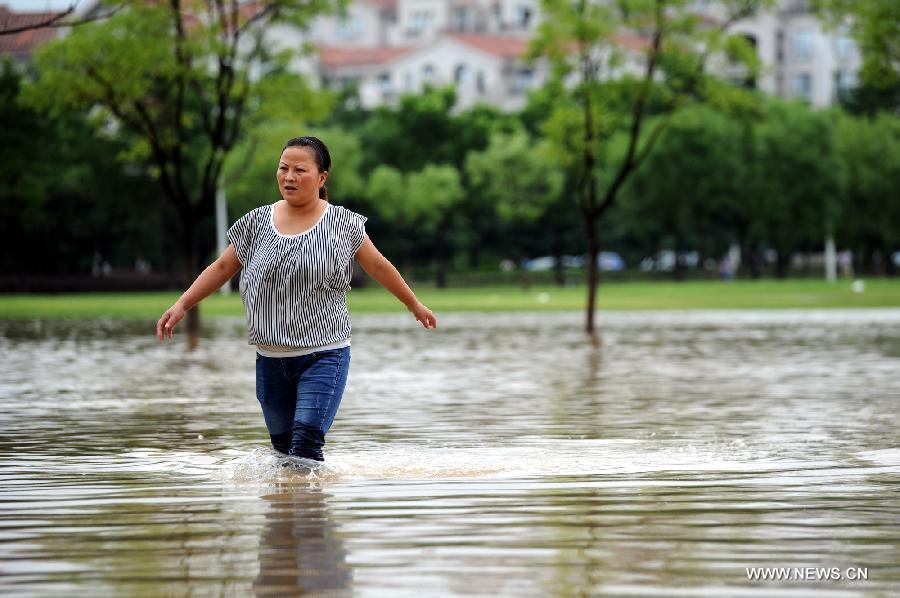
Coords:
pixel 270 351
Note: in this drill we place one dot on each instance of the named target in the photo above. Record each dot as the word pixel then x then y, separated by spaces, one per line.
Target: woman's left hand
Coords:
pixel 424 315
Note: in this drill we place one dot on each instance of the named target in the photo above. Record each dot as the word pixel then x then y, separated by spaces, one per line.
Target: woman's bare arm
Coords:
pixel 382 270
pixel 211 279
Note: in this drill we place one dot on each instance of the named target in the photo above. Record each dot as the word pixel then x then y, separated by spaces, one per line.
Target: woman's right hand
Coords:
pixel 167 322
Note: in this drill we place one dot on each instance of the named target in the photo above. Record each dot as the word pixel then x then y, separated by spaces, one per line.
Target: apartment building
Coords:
pixel 477 46
pixel 389 47
pixel 482 67
pixel 801 59
pixel 18 46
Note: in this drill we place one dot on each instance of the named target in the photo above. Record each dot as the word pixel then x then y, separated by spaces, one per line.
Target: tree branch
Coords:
pixel 54 21
pixel 183 61
pixel 628 164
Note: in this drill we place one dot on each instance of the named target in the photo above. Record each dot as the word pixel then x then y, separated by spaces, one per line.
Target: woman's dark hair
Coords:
pixel 323 158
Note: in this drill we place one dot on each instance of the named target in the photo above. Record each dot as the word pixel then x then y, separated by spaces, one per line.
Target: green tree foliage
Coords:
pixel 65 196
pixel 588 42
pixel 178 76
pixel 869 151
pixel 876 27
pixel 691 192
pixel 418 131
pixel 520 177
pixel 517 175
pixel 417 201
pixel 422 206
pixel 797 180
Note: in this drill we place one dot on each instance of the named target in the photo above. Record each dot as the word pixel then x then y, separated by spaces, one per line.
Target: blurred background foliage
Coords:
pixel 456 191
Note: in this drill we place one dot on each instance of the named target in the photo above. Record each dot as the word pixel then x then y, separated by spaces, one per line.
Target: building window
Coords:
pixel 523 15
pixel 803 44
pixel 843 47
pixel 461 74
pixel 524 80
pixel 803 86
pixel 460 19
pixel 779 46
pixel 428 73
pixel 844 82
pixel 480 83
pixel 419 21
pixel 408 80
pixel 384 82
pixel 348 27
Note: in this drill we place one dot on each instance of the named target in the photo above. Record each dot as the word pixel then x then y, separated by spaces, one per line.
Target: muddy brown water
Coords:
pixel 500 454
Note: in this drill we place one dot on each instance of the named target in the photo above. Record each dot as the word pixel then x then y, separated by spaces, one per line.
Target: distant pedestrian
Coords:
pixel 295 257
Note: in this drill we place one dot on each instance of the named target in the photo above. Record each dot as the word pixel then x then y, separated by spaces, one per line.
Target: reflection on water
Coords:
pixel 301 550
pixel 501 454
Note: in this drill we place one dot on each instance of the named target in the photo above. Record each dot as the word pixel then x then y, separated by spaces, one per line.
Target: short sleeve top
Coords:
pixel 294 287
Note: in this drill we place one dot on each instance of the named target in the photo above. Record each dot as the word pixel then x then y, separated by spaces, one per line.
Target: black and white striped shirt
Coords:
pixel 294 287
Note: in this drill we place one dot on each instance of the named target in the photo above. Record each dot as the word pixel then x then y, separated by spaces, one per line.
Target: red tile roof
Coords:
pixel 504 46
pixel 631 41
pixel 332 56
pixel 22 44
pixel 391 4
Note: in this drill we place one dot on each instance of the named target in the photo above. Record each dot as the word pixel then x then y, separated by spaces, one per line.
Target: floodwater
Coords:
pixel 499 455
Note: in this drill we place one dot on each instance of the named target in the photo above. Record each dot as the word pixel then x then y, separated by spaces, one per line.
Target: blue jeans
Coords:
pixel 300 397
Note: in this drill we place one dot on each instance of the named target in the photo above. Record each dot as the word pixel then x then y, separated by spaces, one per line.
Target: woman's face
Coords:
pixel 298 175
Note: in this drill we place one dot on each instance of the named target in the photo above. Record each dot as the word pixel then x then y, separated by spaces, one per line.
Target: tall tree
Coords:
pixel 690 194
pixel 584 42
pixel 798 180
pixel 869 151
pixel 65 197
pixel 177 75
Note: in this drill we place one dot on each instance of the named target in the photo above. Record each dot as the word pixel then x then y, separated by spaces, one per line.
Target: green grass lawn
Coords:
pixel 764 294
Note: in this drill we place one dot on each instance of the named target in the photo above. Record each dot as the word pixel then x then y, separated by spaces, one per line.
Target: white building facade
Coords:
pixel 801 59
pixel 389 47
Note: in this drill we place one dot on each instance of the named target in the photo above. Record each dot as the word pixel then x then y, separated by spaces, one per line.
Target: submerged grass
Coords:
pixel 759 294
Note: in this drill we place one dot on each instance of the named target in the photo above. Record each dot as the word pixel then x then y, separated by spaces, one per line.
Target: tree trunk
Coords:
pixel 191 271
pixel 593 251
pixel 473 257
pixel 441 254
pixel 781 264
pixel 890 269
pixel 679 270
pixel 524 279
pixel 877 263
pixel 441 267
pixel 559 273
pixel 756 264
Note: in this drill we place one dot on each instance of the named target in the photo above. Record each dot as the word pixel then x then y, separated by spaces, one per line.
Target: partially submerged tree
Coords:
pixel 588 42
pixel 180 77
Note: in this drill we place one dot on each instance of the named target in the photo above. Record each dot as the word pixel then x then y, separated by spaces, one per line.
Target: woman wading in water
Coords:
pixel 295 257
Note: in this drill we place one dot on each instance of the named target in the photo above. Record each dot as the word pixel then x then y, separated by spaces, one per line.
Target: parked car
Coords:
pixel 607 261
pixel 665 260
